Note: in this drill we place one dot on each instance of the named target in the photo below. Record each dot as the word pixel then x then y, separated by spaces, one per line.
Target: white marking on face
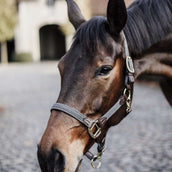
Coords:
pixel 74 155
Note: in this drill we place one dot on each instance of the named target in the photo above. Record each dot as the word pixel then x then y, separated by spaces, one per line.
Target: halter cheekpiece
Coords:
pixel 95 127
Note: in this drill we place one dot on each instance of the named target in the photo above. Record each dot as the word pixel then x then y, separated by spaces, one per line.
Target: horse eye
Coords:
pixel 104 70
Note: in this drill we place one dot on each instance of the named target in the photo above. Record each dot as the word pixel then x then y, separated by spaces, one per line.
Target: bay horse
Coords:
pixel 97 77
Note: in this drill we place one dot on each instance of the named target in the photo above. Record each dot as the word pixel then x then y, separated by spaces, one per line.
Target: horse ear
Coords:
pixel 116 15
pixel 74 14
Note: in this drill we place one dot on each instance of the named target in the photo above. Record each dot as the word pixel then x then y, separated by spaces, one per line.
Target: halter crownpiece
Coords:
pixel 95 127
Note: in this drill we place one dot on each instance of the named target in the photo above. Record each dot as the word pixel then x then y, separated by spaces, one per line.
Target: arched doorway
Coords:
pixel 11 50
pixel 52 42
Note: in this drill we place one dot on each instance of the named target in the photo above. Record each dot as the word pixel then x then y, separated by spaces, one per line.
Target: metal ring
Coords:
pixel 129 64
pixel 95 158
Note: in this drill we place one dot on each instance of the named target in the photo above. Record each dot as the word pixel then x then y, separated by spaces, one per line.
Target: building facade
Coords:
pixel 39 29
pixel 43 29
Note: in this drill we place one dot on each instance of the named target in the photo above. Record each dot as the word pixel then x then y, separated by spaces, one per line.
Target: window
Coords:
pixel 50 2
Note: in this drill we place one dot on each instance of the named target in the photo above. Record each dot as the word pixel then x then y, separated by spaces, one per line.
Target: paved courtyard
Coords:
pixel 142 142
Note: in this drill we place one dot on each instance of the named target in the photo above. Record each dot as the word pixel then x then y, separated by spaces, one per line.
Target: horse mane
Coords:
pixel 149 21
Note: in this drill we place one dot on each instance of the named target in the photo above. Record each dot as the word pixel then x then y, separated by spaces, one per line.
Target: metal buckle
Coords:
pixel 129 64
pixel 127 93
pixel 97 132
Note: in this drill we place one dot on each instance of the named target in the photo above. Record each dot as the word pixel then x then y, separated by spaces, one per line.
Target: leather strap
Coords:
pixel 88 122
pixel 126 46
pixel 111 111
pixel 74 113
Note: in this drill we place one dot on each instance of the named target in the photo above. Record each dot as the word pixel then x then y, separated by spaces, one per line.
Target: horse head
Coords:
pixel 92 81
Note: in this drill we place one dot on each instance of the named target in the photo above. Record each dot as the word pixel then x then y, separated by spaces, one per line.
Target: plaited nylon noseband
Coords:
pixel 95 126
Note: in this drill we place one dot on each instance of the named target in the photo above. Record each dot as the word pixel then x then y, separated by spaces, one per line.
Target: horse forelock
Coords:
pixel 92 34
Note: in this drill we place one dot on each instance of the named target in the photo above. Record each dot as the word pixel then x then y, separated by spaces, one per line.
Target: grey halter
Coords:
pixel 95 126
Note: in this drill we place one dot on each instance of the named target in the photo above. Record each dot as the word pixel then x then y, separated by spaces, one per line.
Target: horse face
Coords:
pixel 92 80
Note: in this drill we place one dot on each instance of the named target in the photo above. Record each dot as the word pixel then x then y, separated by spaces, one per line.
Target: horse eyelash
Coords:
pixel 99 73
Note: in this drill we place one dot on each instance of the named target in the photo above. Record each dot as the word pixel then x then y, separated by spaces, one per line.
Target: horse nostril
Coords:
pixel 54 161
pixel 57 161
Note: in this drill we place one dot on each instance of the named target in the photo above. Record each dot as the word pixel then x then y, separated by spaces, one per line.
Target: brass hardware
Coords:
pixel 97 157
pixel 127 93
pixel 95 134
pixel 129 64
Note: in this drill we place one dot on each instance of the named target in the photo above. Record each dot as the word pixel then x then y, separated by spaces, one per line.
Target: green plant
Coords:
pixel 23 57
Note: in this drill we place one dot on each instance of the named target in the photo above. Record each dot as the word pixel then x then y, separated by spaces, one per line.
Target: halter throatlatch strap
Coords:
pixel 129 77
pixel 95 127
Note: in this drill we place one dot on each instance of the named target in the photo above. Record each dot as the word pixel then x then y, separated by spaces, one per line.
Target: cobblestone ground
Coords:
pixel 141 143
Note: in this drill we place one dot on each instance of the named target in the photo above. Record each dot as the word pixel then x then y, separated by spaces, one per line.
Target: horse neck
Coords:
pixel 148 23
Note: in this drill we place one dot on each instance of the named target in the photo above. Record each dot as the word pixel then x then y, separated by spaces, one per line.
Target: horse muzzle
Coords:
pixel 54 161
